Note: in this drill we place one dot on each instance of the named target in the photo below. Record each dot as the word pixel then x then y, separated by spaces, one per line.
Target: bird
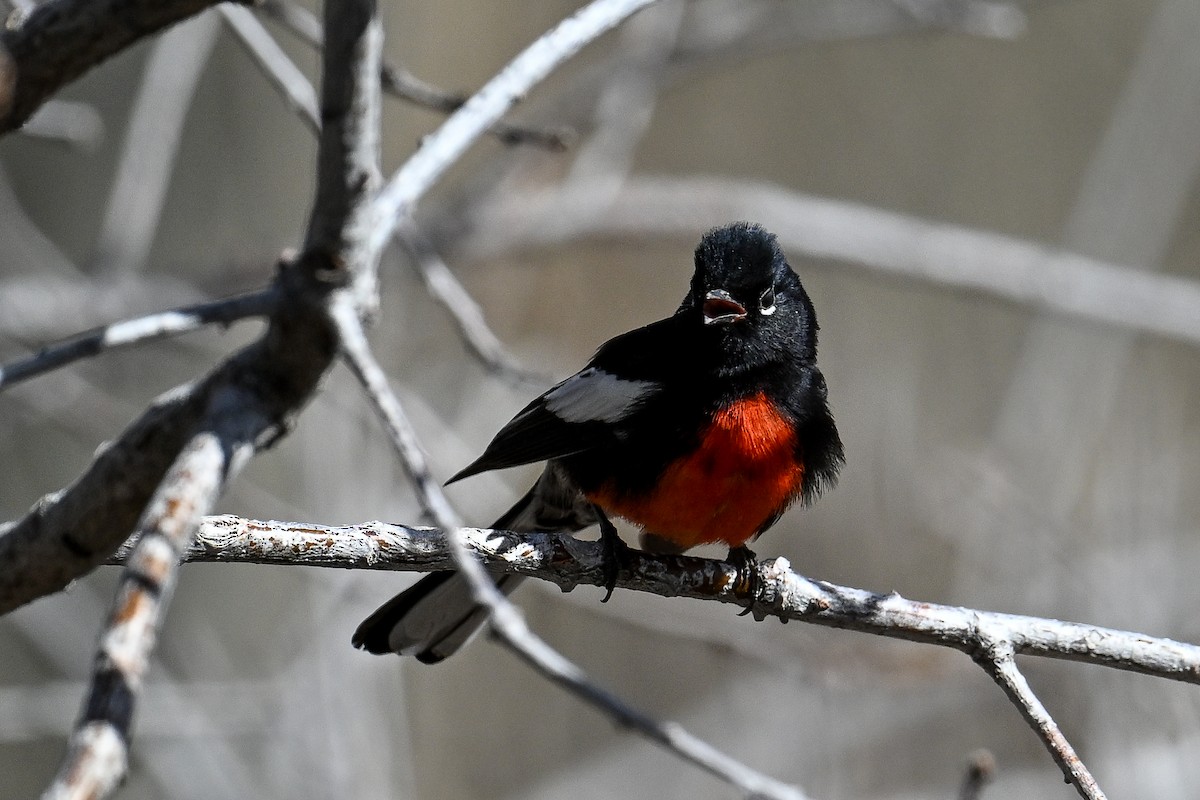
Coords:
pixel 700 428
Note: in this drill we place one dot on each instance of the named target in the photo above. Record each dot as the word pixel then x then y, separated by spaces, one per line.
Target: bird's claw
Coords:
pixel 745 562
pixel 614 555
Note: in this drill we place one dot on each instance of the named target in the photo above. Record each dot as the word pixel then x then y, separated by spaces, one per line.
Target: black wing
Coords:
pixel 535 434
pixel 588 409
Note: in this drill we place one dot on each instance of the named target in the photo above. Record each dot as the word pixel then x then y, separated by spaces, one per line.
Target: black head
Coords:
pixel 744 293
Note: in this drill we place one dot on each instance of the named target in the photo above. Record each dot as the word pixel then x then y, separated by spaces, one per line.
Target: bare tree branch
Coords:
pixel 202 433
pixel 61 39
pixel 998 661
pixel 275 64
pixel 568 562
pixel 348 156
pixel 169 699
pixel 137 330
pixel 68 533
pixel 97 753
pixel 399 82
pixel 439 281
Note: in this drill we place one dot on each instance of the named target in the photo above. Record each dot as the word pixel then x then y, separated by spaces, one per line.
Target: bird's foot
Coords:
pixel 744 560
pixel 615 554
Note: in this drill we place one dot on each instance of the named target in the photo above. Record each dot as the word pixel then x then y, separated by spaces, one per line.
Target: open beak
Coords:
pixel 721 309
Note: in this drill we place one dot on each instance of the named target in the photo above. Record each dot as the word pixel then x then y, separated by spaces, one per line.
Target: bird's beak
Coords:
pixel 721 309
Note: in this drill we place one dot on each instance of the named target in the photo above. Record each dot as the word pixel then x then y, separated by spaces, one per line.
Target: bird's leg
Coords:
pixel 614 552
pixel 744 560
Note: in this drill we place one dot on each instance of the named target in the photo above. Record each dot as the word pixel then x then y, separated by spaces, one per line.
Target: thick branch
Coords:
pixel 68 533
pixel 348 156
pixel 97 754
pixel 61 39
pixel 568 562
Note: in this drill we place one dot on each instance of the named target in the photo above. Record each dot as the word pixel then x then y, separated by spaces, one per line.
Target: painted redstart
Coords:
pixel 699 428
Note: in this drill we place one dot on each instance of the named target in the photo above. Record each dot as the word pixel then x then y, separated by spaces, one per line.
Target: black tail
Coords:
pixel 437 615
pixel 430 620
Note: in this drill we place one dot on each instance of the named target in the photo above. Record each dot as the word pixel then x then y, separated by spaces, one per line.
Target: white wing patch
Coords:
pixel 596 396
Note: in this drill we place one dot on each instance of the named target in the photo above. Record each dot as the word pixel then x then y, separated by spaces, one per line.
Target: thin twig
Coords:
pixel 446 289
pixel 156 123
pixel 998 662
pixel 138 330
pixel 443 147
pixel 568 562
pixel 39 307
pixel 505 620
pixel 401 83
pixel 279 69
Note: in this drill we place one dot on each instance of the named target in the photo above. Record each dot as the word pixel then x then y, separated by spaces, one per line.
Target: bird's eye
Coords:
pixel 766 302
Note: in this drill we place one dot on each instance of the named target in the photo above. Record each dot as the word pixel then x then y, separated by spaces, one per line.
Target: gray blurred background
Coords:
pixel 1000 454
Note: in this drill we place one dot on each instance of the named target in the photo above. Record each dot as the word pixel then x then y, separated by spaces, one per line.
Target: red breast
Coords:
pixel 743 473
